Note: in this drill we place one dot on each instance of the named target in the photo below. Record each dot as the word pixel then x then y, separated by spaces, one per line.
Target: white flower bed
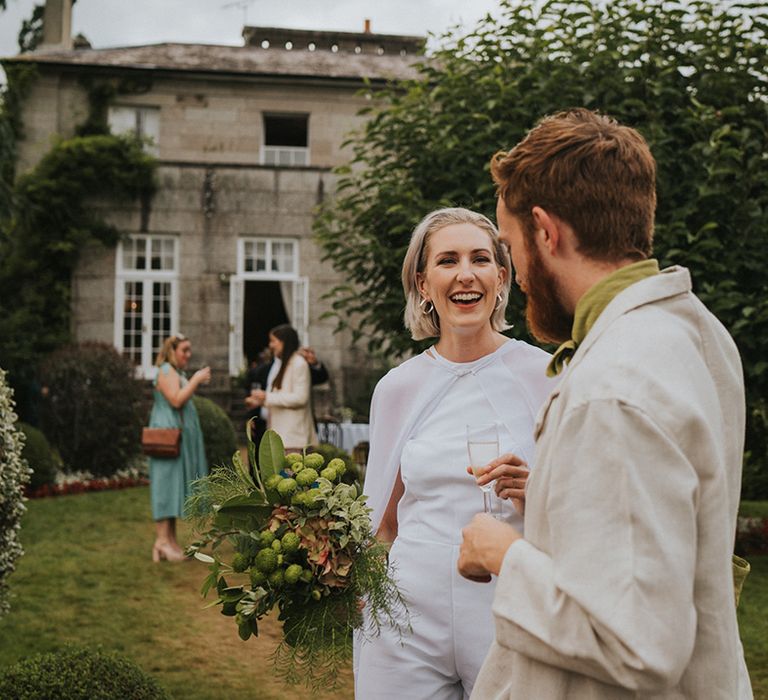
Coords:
pixel 14 473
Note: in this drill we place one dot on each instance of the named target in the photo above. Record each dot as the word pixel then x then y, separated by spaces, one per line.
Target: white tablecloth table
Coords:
pixel 352 434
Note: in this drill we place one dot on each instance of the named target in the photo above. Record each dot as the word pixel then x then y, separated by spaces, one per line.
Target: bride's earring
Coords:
pixel 427 307
pixel 499 300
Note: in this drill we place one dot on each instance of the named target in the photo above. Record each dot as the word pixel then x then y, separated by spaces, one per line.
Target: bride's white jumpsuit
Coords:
pixel 451 617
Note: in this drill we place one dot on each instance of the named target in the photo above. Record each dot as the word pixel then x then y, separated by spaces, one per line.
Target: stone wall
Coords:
pixel 212 191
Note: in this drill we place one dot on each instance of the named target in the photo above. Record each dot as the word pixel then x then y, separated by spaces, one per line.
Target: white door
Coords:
pixel 236 294
pixel 300 306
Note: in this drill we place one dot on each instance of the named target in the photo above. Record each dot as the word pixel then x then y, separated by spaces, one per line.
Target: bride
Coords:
pixel 456 278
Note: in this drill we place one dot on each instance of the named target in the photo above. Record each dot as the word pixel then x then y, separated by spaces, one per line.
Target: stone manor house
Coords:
pixel 246 138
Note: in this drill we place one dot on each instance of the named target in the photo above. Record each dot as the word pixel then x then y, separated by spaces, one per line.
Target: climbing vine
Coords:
pixel 47 217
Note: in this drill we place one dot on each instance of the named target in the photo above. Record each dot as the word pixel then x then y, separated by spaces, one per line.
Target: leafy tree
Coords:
pixel 31 32
pixel 690 77
pixel 53 219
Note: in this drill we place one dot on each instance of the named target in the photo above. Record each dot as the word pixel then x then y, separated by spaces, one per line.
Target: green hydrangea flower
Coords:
pixel 286 487
pixel 314 460
pixel 266 538
pixel 329 473
pixel 293 573
pixel 276 578
pixel 306 575
pixel 240 563
pixel 258 578
pixel 273 481
pixel 338 464
pixel 307 477
pixel 266 560
pixel 277 545
pixel 290 542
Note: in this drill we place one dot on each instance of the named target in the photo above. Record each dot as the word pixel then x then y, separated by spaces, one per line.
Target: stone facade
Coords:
pixel 214 192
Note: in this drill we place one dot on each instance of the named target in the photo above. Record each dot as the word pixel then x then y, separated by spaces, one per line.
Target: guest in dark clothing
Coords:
pixel 317 369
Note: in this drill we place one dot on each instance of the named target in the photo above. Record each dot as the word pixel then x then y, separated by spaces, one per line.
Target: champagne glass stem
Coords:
pixel 486 501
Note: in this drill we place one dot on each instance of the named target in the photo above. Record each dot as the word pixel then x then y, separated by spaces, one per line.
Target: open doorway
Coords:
pixel 264 308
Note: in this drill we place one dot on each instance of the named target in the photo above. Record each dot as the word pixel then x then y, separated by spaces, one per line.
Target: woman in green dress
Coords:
pixel 170 479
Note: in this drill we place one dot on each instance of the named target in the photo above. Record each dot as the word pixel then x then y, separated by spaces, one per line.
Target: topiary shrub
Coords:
pixel 78 674
pixel 39 456
pixel 14 473
pixel 93 408
pixel 218 432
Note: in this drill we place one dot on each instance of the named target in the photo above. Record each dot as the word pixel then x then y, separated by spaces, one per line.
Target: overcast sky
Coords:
pixel 133 22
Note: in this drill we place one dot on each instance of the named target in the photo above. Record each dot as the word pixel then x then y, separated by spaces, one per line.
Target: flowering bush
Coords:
pixel 303 544
pixel 82 482
pixel 14 473
pixel 751 536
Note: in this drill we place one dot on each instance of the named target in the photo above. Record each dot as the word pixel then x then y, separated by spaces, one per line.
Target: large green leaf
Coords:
pixel 243 512
pixel 271 455
pixel 255 499
pixel 242 470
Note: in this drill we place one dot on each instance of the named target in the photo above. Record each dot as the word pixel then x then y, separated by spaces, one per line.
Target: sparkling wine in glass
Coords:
pixel 483 447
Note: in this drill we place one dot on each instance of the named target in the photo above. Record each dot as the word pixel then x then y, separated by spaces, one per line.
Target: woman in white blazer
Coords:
pixel 287 397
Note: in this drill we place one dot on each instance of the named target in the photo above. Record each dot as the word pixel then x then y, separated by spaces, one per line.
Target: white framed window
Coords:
pixel 146 297
pixel 285 156
pixel 273 258
pixel 286 140
pixel 142 122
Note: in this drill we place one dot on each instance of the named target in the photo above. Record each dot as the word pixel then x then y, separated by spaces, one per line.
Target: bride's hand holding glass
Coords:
pixel 510 473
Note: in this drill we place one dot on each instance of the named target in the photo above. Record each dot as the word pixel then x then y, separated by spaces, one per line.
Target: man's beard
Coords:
pixel 547 318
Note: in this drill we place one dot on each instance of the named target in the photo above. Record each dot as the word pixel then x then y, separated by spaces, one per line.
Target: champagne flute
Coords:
pixel 483 447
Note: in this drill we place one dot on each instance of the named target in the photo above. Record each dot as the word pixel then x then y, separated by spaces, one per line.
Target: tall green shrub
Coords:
pixel 14 473
pixel 93 409
pixel 691 77
pixel 38 455
pixel 218 432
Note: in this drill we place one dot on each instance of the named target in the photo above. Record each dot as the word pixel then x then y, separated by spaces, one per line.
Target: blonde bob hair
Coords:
pixel 168 350
pixel 427 325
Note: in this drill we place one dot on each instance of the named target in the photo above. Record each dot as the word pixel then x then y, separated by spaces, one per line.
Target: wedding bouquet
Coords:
pixel 303 544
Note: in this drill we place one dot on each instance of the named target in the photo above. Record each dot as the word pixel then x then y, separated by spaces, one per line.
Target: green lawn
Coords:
pixel 753 623
pixel 754 509
pixel 87 578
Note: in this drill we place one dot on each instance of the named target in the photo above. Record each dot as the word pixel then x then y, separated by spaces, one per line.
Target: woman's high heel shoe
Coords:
pixel 166 551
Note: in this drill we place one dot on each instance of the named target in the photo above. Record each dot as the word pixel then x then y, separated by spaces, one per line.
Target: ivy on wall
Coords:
pixel 47 218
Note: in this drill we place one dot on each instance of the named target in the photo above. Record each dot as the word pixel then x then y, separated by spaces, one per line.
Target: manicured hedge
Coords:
pixel 39 456
pixel 218 432
pixel 78 674
pixel 92 411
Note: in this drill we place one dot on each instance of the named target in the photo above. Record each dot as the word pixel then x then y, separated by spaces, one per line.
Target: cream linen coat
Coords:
pixel 622 586
pixel 290 408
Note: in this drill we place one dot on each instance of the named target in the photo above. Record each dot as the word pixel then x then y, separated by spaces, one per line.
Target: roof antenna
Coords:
pixel 243 5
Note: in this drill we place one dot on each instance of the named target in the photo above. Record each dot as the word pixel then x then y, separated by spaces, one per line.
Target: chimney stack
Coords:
pixel 367 26
pixel 57 25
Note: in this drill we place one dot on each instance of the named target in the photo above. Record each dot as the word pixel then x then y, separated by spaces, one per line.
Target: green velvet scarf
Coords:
pixel 593 303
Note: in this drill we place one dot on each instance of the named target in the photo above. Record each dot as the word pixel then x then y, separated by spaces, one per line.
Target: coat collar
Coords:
pixel 671 282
